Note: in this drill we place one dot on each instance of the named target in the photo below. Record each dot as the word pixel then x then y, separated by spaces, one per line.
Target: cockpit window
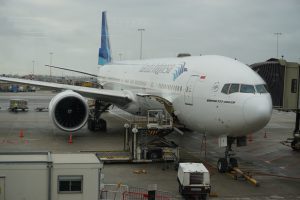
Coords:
pixel 234 88
pixel 247 89
pixel 261 88
pixel 230 88
pixel 225 88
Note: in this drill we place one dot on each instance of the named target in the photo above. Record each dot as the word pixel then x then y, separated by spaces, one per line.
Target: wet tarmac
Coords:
pixel 272 164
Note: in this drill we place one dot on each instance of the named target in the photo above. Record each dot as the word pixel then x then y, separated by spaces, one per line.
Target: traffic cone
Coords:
pixel 21 134
pixel 70 139
pixel 265 136
pixel 250 137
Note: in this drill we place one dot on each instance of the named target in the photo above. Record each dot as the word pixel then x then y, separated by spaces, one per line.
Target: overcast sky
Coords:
pixel 242 29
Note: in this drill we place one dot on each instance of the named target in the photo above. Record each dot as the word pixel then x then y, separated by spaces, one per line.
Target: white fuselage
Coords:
pixel 193 85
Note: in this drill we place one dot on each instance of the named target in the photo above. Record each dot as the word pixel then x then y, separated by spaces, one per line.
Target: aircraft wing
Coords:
pixel 110 96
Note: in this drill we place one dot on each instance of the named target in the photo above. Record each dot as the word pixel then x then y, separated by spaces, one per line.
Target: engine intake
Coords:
pixel 69 111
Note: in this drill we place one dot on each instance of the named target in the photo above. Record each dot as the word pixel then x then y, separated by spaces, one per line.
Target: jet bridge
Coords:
pixel 282 78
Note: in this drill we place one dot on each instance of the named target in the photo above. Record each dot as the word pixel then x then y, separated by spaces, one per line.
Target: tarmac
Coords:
pixel 273 165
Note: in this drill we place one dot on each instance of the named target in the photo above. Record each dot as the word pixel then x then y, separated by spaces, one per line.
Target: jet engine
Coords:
pixel 69 111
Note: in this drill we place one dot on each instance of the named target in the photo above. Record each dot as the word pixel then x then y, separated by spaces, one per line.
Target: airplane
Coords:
pixel 209 94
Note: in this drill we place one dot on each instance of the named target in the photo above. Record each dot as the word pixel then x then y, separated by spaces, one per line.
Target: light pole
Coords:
pixel 33 68
pixel 120 55
pixel 141 48
pixel 51 54
pixel 277 36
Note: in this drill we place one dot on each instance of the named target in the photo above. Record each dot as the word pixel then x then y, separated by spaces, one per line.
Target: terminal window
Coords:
pixel 294 86
pixel 70 184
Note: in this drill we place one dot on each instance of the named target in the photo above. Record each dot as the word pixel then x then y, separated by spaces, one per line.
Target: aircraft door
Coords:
pixel 188 92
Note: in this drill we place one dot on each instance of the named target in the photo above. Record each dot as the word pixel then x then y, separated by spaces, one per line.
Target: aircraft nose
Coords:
pixel 258 111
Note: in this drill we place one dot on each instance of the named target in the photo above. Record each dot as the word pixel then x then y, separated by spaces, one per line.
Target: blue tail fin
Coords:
pixel 104 51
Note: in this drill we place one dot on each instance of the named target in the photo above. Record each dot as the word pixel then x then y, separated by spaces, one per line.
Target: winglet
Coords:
pixel 104 51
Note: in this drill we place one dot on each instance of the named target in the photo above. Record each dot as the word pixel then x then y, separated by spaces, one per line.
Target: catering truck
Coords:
pixel 193 180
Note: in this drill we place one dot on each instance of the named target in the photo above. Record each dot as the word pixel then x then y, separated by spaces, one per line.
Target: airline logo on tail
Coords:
pixel 104 51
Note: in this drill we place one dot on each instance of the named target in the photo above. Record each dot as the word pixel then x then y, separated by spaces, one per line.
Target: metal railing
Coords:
pixel 124 192
pixel 113 191
pixel 135 193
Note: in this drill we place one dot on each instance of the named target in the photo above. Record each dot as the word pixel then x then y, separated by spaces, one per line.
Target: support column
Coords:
pixel 296 130
pixel 134 143
pixel 126 137
pixel 296 140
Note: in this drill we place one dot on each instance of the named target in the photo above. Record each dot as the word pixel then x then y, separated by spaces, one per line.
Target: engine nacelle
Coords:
pixel 69 111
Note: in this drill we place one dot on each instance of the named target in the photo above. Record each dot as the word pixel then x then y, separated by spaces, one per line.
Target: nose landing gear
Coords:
pixel 228 162
pixel 295 144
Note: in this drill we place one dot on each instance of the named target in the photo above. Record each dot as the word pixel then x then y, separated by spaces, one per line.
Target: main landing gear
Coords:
pixel 95 122
pixel 228 162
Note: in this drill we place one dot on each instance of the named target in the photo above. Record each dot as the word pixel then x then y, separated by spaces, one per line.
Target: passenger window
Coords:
pixel 247 89
pixel 225 88
pixel 234 88
pixel 261 89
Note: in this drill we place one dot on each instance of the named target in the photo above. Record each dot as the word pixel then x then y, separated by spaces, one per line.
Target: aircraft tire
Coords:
pixel 102 124
pixel 233 162
pixel 204 196
pixel 294 145
pixel 180 189
pixel 222 165
pixel 91 125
